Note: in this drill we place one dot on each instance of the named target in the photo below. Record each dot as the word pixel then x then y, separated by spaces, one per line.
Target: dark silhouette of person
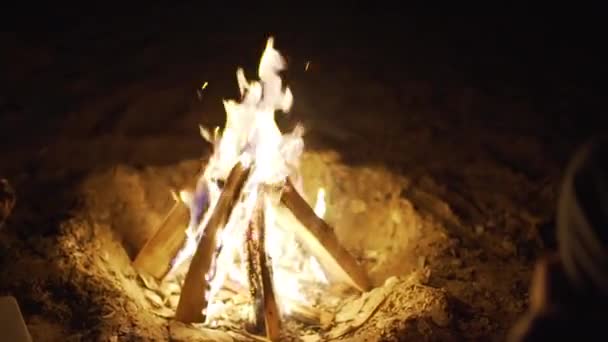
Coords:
pixel 569 289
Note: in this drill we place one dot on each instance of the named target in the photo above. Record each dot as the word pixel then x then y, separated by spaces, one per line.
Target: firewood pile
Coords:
pixel 247 214
pixel 181 297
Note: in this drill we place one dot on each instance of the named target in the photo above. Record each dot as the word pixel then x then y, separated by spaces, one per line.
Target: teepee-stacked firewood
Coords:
pixel 250 138
pixel 293 213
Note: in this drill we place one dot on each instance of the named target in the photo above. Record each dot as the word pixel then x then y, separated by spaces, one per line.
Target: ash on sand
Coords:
pixel 433 278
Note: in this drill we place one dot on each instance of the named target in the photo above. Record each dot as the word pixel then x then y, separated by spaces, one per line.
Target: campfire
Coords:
pixel 252 237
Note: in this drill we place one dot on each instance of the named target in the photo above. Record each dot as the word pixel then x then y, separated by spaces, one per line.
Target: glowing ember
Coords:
pixel 252 137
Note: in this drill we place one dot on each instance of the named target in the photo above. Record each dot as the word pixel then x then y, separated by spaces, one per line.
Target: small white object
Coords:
pixel 320 205
pixel 12 325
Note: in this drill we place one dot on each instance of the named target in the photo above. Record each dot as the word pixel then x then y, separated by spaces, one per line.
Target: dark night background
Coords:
pixel 548 54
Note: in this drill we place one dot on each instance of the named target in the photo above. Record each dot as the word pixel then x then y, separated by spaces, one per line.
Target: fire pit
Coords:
pixel 254 250
pixel 266 240
pixel 325 307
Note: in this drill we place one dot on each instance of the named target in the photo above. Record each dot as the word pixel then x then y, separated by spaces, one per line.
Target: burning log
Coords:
pixel 193 297
pixel 156 255
pixel 272 319
pixel 321 239
pixel 265 307
pixel 253 264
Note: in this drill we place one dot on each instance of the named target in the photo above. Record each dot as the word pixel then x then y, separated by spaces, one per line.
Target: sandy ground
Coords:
pixel 435 159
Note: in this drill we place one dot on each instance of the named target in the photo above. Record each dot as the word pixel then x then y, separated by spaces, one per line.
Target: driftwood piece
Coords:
pixel 193 297
pixel 272 318
pixel 155 257
pixel 321 239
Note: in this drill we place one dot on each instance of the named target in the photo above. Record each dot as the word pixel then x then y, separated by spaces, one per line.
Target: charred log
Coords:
pixel 196 285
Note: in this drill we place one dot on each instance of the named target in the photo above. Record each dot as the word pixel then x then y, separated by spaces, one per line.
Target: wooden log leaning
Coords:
pixel 156 255
pixel 272 315
pixel 253 250
pixel 193 299
pixel 321 239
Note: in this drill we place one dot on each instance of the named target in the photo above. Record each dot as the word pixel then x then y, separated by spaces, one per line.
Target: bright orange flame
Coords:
pixel 251 136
